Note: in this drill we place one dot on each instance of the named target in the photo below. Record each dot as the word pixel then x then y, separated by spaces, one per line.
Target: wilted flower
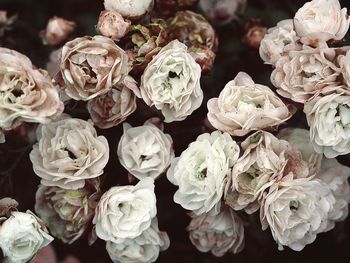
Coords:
pixel 244 106
pixel 329 120
pixel 21 236
pixel 90 66
pixel 145 151
pixel 132 9
pixel 57 31
pixel 26 93
pixel 264 159
pixel 67 213
pixel 69 152
pixel 221 12
pixel 300 139
pixel 302 74
pixel 171 82
pixel 321 20
pixel 168 7
pixel 115 106
pixel 296 210
pixel 218 234
pixel 112 24
pixel 201 172
pixel 144 248
pixel 278 41
pixel 336 176
pixel 125 211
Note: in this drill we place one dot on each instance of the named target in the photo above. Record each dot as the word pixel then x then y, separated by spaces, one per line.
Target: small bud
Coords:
pixel 57 31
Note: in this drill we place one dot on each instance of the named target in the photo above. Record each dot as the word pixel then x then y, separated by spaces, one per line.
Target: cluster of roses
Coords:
pixel 311 69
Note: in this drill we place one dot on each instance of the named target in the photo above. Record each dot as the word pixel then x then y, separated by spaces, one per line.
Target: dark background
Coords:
pixel 18 180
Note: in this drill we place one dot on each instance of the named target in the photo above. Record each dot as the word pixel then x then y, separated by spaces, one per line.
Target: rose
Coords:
pixel 336 176
pixel 321 20
pixel 255 35
pixel 111 24
pixel 328 118
pixel 145 151
pixel 26 93
pixel 113 107
pixel 201 172
pixel 264 159
pixel 302 74
pixel 300 139
pixel 90 66
pixel 219 234
pixel 296 210
pixel 171 82
pixel 244 106
pixel 21 236
pixel 278 41
pixel 69 152
pixel 125 211
pixel 222 12
pixel 67 213
pixel 57 31
pixel 144 248
pixel 132 9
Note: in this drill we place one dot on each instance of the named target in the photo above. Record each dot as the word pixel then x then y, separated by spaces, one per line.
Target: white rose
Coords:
pixel 321 20
pixel 278 40
pixel 143 249
pixel 244 106
pixel 21 236
pixel 336 176
pixel 265 157
pixel 300 75
pixel 171 82
pixel 145 151
pixel 329 120
pixel 201 172
pixel 69 152
pixel 296 210
pixel 125 211
pixel 300 139
pixel 132 9
pixel 219 234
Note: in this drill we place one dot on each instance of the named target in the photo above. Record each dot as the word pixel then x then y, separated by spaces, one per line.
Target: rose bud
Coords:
pixel 255 33
pixel 112 24
pixel 57 31
pixel 131 9
pixel 221 12
pixel 169 7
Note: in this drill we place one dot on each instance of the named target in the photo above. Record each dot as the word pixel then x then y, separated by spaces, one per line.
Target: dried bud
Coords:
pixel 57 31
pixel 6 206
pixel 112 24
pixel 68 213
pixel 169 7
pixel 254 36
pixel 204 56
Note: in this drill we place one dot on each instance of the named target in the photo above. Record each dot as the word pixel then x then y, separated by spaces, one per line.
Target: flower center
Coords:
pixel 293 205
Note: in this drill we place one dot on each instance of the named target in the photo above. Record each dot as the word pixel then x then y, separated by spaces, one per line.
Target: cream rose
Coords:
pixel 302 74
pixel 329 120
pixel 67 213
pixel 112 24
pixel 144 248
pixel 21 236
pixel 145 151
pixel 125 211
pixel 244 106
pixel 219 234
pixel 201 172
pixel 26 93
pixel 90 66
pixel 296 210
pixel 264 159
pixel 171 82
pixel 133 9
pixel 69 152
pixel 112 108
pixel 278 41
pixel 321 20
